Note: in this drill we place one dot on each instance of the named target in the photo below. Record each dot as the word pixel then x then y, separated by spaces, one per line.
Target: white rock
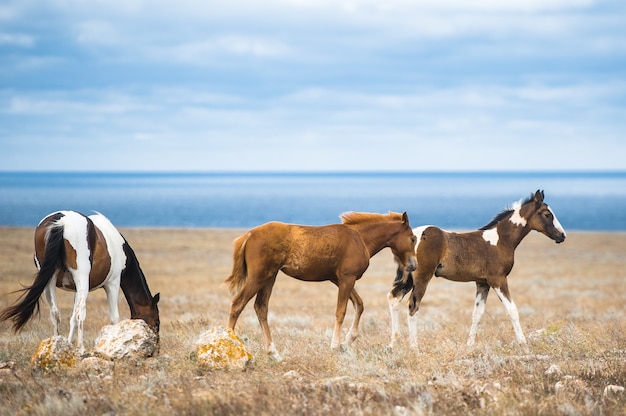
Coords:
pixel 130 338
pixel 553 370
pixel 220 348
pixel 612 388
pixel 55 353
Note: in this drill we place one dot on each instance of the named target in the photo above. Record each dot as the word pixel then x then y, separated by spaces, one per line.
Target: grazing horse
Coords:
pixel 484 256
pixel 79 253
pixel 338 252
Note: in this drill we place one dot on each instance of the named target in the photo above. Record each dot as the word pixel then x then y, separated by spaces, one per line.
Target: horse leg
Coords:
pixel 261 307
pixel 239 302
pixel 254 283
pixel 511 310
pixel 112 291
pixel 421 283
pixel 482 290
pixel 51 298
pixel 357 302
pixel 80 309
pixel 401 286
pixel 345 285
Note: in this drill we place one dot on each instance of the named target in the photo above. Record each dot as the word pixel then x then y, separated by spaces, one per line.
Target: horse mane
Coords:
pixel 132 274
pixel 506 212
pixel 351 218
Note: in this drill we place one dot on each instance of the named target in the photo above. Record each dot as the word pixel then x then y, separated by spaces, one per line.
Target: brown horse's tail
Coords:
pixel 240 271
pixel 28 304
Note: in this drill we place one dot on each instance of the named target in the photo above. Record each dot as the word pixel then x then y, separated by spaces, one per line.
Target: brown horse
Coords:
pixel 484 256
pixel 80 254
pixel 339 253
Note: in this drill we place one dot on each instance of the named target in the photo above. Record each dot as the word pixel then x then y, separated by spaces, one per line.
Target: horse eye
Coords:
pixel 548 214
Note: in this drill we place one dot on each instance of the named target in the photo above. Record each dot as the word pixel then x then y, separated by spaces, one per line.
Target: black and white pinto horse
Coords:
pixel 484 256
pixel 82 253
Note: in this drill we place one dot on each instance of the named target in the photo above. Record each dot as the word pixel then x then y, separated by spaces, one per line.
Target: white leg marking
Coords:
pixel 80 310
pixel 273 352
pixel 394 310
pixel 479 310
pixel 334 343
pixel 51 298
pixel 113 292
pixel 511 310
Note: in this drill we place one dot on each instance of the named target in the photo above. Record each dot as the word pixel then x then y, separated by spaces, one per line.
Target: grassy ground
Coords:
pixel 571 300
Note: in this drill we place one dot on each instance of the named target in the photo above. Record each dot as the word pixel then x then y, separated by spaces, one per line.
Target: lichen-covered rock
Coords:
pixel 55 353
pixel 130 338
pixel 220 348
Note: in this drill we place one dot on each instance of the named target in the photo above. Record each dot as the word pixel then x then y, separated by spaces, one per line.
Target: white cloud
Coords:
pixel 20 40
pixel 97 32
pixel 203 52
pixel 321 75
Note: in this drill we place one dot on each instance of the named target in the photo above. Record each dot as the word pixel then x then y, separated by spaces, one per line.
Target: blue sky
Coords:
pixel 302 85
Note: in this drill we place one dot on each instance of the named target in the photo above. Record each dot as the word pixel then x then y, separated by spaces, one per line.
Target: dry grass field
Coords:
pixel 570 297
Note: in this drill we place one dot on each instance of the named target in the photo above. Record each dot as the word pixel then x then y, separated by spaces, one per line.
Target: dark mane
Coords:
pixel 502 215
pixel 366 217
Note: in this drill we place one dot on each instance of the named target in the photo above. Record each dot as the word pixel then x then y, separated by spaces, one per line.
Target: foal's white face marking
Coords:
pixel 516 218
pixel 556 222
pixel 491 236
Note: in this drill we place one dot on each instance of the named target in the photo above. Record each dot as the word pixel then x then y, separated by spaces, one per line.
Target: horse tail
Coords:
pixel 240 270
pixel 28 303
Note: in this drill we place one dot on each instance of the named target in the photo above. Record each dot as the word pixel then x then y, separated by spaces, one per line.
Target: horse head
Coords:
pixel 402 246
pixel 149 314
pixel 541 218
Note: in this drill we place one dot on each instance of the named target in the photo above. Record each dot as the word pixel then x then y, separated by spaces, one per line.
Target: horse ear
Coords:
pixel 538 197
pixel 156 298
pixel 405 218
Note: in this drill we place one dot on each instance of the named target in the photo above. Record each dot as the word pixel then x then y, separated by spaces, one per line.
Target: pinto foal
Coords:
pixel 484 256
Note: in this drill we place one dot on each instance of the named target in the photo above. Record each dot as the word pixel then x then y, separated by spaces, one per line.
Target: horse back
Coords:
pixel 308 252
pixel 89 248
pixel 111 258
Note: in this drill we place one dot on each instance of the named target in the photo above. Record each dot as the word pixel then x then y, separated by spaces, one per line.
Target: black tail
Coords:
pixel 24 308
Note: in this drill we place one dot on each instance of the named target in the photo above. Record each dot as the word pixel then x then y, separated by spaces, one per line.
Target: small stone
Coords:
pixel 553 370
pixel 220 348
pixel 613 389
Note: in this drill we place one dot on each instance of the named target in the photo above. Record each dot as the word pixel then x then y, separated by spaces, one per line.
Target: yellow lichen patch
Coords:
pixel 54 353
pixel 220 348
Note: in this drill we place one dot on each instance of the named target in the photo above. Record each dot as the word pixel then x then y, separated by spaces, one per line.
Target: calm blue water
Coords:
pixel 582 201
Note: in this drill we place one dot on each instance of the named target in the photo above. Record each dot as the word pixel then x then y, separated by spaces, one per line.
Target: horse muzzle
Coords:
pixel 411 265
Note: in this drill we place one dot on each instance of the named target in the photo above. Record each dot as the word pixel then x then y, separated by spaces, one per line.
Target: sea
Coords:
pixel 584 201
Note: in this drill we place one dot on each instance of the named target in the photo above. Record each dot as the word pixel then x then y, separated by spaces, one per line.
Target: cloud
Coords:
pixel 207 86
pixel 19 40
pixel 98 32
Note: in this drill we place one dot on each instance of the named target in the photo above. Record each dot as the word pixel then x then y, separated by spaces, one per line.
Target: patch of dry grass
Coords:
pixel 571 299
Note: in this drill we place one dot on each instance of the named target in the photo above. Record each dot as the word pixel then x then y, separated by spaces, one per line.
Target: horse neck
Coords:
pixel 511 234
pixel 376 236
pixel 133 283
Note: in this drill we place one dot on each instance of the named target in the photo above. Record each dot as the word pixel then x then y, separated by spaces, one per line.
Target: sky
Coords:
pixel 312 85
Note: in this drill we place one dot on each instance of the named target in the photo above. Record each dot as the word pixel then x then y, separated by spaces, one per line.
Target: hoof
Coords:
pixel 273 353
